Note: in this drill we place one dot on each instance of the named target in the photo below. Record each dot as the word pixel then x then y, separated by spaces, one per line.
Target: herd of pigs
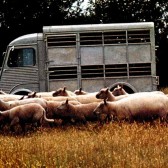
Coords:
pixel 40 108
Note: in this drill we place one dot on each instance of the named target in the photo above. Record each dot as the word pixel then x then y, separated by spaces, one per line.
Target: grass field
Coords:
pixel 112 145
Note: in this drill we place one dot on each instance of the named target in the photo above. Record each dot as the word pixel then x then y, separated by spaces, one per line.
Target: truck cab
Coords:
pixel 20 69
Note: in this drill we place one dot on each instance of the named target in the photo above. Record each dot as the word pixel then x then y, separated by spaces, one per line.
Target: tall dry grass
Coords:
pixel 115 145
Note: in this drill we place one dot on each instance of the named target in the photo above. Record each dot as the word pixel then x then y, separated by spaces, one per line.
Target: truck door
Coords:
pixel 20 72
pixel 62 61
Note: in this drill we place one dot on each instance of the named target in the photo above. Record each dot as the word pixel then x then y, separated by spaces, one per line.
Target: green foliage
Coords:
pixel 116 11
pixel 28 16
pixel 18 13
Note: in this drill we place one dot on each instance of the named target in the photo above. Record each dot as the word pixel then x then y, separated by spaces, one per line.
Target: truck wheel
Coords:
pixel 21 92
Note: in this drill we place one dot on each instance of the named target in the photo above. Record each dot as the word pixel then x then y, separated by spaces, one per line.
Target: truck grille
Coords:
pixel 63 72
pixel 92 71
pixel 61 40
pixel 142 36
pixel 100 38
pixel 115 37
pixel 140 69
pixel 118 70
pixel 96 71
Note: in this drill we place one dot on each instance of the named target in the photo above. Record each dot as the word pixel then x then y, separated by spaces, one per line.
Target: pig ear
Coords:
pixel 107 90
pixel 80 89
pixel 66 101
pixel 64 88
pixel 32 94
pixel 22 97
pixel 118 86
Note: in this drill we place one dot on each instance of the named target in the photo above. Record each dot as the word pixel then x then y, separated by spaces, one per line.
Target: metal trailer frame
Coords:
pixel 88 56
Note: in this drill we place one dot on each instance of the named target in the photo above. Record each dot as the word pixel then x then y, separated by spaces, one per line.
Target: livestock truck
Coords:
pixel 90 57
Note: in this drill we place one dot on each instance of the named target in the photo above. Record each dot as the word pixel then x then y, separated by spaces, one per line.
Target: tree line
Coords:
pixel 29 16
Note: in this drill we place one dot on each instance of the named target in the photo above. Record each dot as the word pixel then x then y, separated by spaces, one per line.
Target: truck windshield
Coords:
pixel 21 57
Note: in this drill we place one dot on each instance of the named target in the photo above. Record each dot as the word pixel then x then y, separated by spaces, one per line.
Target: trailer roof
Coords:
pixel 27 39
pixel 96 27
